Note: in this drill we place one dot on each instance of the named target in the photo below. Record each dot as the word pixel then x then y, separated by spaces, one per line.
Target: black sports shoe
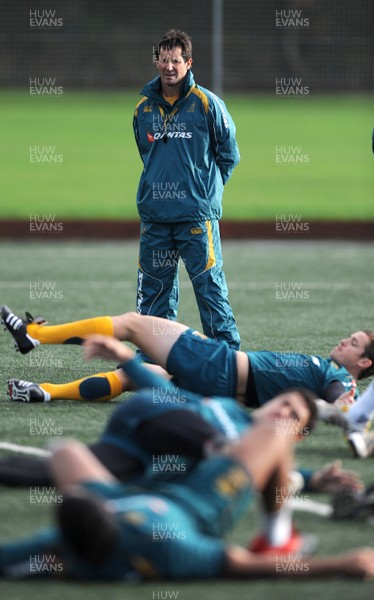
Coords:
pixel 348 504
pixel 26 391
pixel 17 328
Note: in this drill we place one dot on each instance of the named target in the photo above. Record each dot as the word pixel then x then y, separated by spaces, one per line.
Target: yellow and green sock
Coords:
pixel 100 387
pixel 70 333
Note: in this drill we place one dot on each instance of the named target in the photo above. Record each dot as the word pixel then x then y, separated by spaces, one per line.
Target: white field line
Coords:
pixel 20 449
pixel 239 285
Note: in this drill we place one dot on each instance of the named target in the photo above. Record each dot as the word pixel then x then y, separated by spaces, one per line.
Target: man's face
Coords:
pixel 172 67
pixel 288 411
pixel 349 352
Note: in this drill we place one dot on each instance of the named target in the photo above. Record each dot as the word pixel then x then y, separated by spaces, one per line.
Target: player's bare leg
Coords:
pixel 269 458
pixel 266 455
pixel 73 463
pixel 153 335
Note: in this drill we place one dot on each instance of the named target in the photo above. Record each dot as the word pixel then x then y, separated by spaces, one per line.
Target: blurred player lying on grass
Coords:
pixel 206 366
pixel 174 528
pixel 166 420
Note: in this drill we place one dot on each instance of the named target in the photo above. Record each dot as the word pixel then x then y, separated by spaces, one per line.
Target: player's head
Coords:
pixel 368 354
pixel 356 353
pixel 296 406
pixel 173 56
pixel 175 38
pixel 88 528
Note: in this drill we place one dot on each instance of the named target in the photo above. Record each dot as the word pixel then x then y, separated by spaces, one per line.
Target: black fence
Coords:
pixel 329 44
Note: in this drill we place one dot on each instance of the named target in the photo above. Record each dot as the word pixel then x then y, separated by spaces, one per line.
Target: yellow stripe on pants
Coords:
pixel 211 256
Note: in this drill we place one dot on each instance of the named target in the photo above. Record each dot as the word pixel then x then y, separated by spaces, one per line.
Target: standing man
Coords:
pixel 186 140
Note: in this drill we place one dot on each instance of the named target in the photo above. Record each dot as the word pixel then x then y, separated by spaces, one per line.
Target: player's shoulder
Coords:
pixel 211 99
pixel 142 101
pixel 202 95
pixel 320 361
pixel 335 368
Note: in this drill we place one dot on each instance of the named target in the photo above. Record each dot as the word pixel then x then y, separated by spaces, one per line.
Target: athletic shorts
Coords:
pixel 203 365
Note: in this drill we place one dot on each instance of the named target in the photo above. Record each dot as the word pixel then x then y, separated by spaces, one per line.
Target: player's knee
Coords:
pixel 131 322
pixel 125 325
pixel 64 449
pixel 132 317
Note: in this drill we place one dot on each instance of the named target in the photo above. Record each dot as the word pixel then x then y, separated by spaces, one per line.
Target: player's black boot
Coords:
pixel 349 504
pixel 26 391
pixel 18 329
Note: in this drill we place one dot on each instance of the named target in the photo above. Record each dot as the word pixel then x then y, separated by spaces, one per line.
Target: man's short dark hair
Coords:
pixel 368 353
pixel 175 38
pixel 87 527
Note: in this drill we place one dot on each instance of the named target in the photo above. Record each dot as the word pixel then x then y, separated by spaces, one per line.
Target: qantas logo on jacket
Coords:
pixel 170 134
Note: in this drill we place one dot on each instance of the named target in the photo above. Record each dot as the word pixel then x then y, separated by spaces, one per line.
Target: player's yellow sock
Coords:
pixel 102 386
pixel 70 333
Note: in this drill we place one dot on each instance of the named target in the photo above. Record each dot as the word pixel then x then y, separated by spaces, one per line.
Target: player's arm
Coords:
pixel 100 346
pixel 240 563
pixel 145 377
pixel 333 391
pixel 135 126
pixel 136 131
pixel 222 135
